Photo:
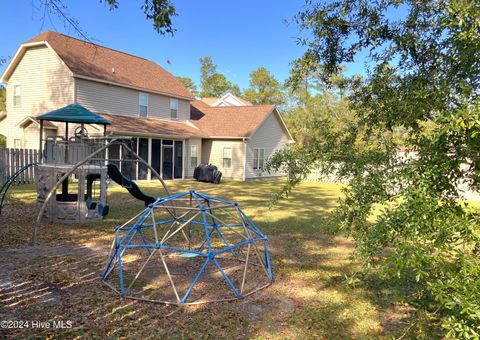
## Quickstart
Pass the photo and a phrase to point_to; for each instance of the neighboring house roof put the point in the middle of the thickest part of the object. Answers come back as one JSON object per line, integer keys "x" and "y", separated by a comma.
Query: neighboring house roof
{"x": 150, "y": 126}
{"x": 74, "y": 113}
{"x": 209, "y": 100}
{"x": 3, "y": 115}
{"x": 228, "y": 99}
{"x": 96, "y": 62}
{"x": 230, "y": 121}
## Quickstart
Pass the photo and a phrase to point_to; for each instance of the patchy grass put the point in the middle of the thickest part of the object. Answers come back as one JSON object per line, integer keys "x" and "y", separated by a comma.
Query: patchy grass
{"x": 59, "y": 280}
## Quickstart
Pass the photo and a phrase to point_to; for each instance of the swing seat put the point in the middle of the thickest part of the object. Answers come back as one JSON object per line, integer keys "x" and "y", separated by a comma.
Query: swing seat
{"x": 103, "y": 210}
{"x": 188, "y": 255}
{"x": 90, "y": 204}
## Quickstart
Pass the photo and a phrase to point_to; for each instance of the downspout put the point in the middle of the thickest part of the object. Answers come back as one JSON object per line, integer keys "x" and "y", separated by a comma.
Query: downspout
{"x": 244, "y": 159}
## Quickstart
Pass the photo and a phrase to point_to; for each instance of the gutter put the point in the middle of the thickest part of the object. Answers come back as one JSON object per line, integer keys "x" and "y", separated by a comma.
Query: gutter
{"x": 145, "y": 134}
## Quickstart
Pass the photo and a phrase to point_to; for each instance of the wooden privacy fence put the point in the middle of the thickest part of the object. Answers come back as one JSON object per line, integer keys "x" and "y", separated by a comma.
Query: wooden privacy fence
{"x": 11, "y": 160}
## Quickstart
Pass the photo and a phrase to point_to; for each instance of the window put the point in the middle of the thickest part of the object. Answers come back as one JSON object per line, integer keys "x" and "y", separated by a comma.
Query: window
{"x": 193, "y": 156}
{"x": 17, "y": 95}
{"x": 227, "y": 157}
{"x": 173, "y": 108}
{"x": 17, "y": 143}
{"x": 143, "y": 101}
{"x": 258, "y": 158}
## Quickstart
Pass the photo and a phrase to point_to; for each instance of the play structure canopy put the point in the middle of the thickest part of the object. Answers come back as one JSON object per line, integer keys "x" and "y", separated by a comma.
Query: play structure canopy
{"x": 74, "y": 113}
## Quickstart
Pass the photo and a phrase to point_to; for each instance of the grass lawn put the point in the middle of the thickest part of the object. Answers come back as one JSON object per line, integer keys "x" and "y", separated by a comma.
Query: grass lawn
{"x": 59, "y": 280}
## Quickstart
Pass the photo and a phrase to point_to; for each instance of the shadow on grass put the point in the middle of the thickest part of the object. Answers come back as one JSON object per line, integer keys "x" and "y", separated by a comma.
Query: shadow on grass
{"x": 308, "y": 299}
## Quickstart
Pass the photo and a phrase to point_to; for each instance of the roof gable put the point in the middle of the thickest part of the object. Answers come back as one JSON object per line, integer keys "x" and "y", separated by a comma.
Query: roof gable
{"x": 228, "y": 99}
{"x": 228, "y": 121}
{"x": 281, "y": 123}
{"x": 97, "y": 62}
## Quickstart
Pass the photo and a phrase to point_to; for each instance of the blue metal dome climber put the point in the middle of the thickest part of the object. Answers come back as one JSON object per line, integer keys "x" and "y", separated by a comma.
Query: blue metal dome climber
{"x": 188, "y": 248}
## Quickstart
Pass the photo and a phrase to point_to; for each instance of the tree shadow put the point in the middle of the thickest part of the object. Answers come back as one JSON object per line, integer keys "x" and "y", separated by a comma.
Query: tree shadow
{"x": 309, "y": 297}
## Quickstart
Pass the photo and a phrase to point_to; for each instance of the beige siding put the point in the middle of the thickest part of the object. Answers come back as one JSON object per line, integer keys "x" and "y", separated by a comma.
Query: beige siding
{"x": 104, "y": 98}
{"x": 31, "y": 136}
{"x": 212, "y": 153}
{"x": 270, "y": 136}
{"x": 188, "y": 167}
{"x": 46, "y": 83}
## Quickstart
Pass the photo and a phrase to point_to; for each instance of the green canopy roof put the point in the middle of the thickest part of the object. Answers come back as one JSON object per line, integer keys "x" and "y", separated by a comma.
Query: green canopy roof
{"x": 74, "y": 113}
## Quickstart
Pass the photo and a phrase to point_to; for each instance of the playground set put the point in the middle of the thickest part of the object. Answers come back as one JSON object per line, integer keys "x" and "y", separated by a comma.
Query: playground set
{"x": 185, "y": 248}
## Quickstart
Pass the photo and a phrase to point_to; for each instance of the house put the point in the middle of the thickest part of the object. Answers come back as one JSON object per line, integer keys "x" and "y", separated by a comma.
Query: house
{"x": 172, "y": 131}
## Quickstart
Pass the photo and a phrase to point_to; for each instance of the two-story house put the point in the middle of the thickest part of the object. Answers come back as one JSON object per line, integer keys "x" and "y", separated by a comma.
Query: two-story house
{"x": 172, "y": 131}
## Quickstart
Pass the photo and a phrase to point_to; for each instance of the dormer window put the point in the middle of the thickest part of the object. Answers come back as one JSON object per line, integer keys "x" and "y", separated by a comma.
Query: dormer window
{"x": 173, "y": 108}
{"x": 143, "y": 101}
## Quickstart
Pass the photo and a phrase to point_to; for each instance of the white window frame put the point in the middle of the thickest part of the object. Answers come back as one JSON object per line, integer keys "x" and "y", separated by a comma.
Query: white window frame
{"x": 193, "y": 155}
{"x": 226, "y": 156}
{"x": 173, "y": 108}
{"x": 258, "y": 162}
{"x": 17, "y": 102}
{"x": 17, "y": 143}
{"x": 140, "y": 104}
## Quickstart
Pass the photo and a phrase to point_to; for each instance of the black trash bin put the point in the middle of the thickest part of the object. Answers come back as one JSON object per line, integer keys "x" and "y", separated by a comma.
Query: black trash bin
{"x": 207, "y": 173}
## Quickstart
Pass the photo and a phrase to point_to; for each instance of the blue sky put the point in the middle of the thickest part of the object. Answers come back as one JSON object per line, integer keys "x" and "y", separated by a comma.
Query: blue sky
{"x": 239, "y": 35}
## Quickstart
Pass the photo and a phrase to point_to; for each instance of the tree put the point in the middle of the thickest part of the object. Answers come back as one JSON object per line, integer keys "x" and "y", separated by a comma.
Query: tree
{"x": 3, "y": 98}
{"x": 160, "y": 12}
{"x": 264, "y": 88}
{"x": 214, "y": 84}
{"x": 189, "y": 84}
{"x": 404, "y": 213}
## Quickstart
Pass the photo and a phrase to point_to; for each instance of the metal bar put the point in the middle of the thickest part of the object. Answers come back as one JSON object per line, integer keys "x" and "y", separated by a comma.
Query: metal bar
{"x": 188, "y": 303}
{"x": 267, "y": 258}
{"x": 250, "y": 222}
{"x": 215, "y": 227}
{"x": 245, "y": 270}
{"x": 208, "y": 197}
{"x": 154, "y": 226}
{"x": 139, "y": 230}
{"x": 255, "y": 246}
{"x": 225, "y": 276}
{"x": 41, "y": 142}
{"x": 179, "y": 228}
{"x": 141, "y": 270}
{"x": 221, "y": 251}
{"x": 187, "y": 293}
{"x": 206, "y": 239}
{"x": 169, "y": 276}
{"x": 226, "y": 225}
{"x": 179, "y": 208}
{"x": 160, "y": 246}
{"x": 111, "y": 256}
{"x": 120, "y": 272}
{"x": 175, "y": 221}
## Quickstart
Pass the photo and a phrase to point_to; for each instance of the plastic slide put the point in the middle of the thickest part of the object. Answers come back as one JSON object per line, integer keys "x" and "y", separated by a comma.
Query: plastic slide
{"x": 132, "y": 187}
